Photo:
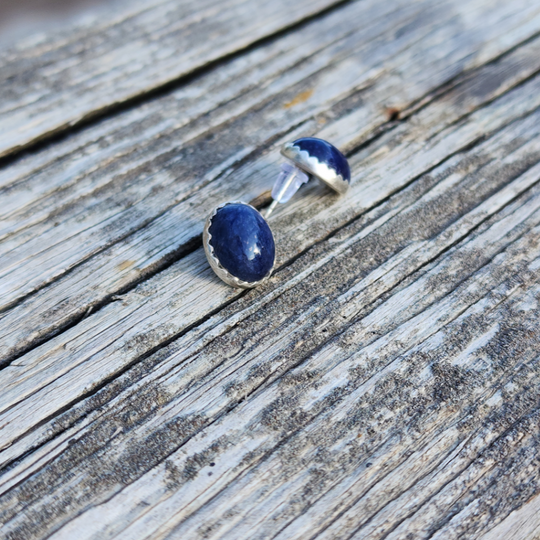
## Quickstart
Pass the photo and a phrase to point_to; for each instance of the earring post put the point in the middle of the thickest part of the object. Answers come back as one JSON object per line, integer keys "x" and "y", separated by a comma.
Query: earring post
{"x": 270, "y": 209}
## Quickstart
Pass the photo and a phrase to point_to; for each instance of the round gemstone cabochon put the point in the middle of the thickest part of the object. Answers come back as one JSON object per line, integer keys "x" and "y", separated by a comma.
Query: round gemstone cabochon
{"x": 326, "y": 153}
{"x": 242, "y": 242}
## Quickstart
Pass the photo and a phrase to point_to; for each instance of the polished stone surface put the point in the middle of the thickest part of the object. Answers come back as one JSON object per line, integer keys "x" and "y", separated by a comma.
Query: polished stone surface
{"x": 242, "y": 242}
{"x": 326, "y": 153}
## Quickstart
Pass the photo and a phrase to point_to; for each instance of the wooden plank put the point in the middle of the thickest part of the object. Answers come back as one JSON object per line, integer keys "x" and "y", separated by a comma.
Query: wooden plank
{"x": 50, "y": 83}
{"x": 381, "y": 331}
{"x": 190, "y": 169}
{"x": 361, "y": 384}
{"x": 117, "y": 328}
{"x": 142, "y": 242}
{"x": 109, "y": 341}
{"x": 383, "y": 383}
{"x": 522, "y": 524}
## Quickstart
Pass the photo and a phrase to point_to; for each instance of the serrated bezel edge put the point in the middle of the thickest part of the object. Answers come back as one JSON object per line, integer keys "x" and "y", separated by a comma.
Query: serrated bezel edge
{"x": 310, "y": 164}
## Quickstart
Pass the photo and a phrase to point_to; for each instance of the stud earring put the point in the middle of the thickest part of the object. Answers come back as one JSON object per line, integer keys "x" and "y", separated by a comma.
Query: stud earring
{"x": 237, "y": 240}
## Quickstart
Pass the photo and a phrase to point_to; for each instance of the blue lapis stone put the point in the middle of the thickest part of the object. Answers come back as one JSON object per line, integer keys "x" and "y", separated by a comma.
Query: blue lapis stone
{"x": 242, "y": 242}
{"x": 326, "y": 153}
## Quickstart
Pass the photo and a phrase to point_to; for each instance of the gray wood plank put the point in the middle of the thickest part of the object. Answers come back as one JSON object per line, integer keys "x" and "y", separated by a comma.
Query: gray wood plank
{"x": 129, "y": 208}
{"x": 521, "y": 524}
{"x": 193, "y": 171}
{"x": 337, "y": 382}
{"x": 52, "y": 82}
{"x": 191, "y": 294}
{"x": 338, "y": 399}
{"x": 382, "y": 384}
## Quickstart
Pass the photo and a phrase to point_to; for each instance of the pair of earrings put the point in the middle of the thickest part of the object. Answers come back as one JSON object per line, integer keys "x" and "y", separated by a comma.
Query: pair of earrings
{"x": 238, "y": 242}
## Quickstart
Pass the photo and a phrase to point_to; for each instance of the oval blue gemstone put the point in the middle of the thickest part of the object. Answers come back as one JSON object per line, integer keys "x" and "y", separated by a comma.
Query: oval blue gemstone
{"x": 242, "y": 242}
{"x": 326, "y": 153}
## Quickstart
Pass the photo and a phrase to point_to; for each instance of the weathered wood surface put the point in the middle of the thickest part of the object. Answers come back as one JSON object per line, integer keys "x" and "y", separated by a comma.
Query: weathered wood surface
{"x": 383, "y": 384}
{"x": 137, "y": 225}
{"x": 52, "y": 82}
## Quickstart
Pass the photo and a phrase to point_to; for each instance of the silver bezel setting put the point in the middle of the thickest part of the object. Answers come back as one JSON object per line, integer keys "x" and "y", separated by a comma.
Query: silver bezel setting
{"x": 221, "y": 272}
{"x": 312, "y": 165}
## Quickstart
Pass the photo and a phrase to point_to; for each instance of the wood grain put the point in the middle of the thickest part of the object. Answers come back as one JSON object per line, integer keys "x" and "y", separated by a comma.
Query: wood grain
{"x": 50, "y": 83}
{"x": 122, "y": 225}
{"x": 520, "y": 524}
{"x": 382, "y": 385}
{"x": 82, "y": 352}
{"x": 356, "y": 369}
